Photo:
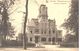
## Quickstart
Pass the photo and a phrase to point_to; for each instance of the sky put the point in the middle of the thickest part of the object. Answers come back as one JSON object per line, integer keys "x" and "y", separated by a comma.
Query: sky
{"x": 57, "y": 9}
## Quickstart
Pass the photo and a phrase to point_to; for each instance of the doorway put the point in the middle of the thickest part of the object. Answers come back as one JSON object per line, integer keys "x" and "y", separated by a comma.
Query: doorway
{"x": 36, "y": 39}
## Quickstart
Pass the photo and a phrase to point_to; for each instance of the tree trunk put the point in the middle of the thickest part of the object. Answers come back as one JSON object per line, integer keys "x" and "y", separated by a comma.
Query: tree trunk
{"x": 24, "y": 29}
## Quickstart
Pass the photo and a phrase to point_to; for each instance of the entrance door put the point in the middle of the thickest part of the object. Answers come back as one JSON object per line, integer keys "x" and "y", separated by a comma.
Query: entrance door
{"x": 53, "y": 40}
{"x": 36, "y": 39}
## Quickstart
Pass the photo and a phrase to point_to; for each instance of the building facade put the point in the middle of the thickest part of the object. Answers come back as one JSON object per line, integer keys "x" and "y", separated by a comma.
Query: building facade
{"x": 43, "y": 30}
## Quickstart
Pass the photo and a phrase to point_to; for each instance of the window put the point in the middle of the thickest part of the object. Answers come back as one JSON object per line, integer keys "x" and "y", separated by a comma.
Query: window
{"x": 43, "y": 39}
{"x": 31, "y": 31}
{"x": 36, "y": 23}
{"x": 53, "y": 31}
{"x": 41, "y": 31}
{"x": 49, "y": 32}
{"x": 45, "y": 31}
{"x": 53, "y": 39}
{"x": 31, "y": 39}
{"x": 49, "y": 39}
{"x": 36, "y": 30}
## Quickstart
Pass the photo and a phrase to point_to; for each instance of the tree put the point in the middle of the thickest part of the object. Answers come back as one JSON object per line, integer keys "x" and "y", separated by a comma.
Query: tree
{"x": 5, "y": 6}
{"x": 72, "y": 23}
{"x": 69, "y": 38}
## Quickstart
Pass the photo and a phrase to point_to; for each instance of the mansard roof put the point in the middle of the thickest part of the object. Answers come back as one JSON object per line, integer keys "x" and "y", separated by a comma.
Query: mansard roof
{"x": 33, "y": 22}
{"x": 49, "y": 20}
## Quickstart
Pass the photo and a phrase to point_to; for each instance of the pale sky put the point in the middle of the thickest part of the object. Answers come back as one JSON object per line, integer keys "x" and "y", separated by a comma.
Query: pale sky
{"x": 56, "y": 9}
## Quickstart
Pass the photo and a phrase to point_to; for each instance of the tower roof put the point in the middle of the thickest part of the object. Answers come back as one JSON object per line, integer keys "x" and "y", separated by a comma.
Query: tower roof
{"x": 42, "y": 5}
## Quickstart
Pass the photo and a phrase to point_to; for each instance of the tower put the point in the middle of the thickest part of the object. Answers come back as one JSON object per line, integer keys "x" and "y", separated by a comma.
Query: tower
{"x": 43, "y": 12}
{"x": 43, "y": 19}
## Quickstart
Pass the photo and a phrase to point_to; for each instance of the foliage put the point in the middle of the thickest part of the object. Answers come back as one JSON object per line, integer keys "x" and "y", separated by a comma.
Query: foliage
{"x": 72, "y": 23}
{"x": 6, "y": 27}
{"x": 69, "y": 38}
{"x": 69, "y": 41}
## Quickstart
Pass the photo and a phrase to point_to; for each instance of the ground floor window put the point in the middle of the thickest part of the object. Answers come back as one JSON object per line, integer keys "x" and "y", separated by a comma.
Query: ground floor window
{"x": 43, "y": 39}
{"x": 53, "y": 39}
{"x": 49, "y": 39}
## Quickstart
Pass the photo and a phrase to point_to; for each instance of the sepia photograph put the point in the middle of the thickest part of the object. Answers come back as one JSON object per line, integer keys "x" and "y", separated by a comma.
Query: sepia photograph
{"x": 39, "y": 25}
